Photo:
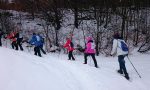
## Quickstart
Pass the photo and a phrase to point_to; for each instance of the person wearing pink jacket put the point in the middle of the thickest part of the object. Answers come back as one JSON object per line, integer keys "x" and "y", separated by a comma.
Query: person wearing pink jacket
{"x": 90, "y": 51}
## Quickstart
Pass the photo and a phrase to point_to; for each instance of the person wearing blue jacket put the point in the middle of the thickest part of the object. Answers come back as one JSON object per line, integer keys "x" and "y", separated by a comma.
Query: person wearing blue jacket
{"x": 36, "y": 41}
{"x": 42, "y": 43}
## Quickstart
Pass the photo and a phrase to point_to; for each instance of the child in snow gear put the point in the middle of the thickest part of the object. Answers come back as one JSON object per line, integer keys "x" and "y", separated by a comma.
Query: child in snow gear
{"x": 12, "y": 37}
{"x": 1, "y": 33}
{"x": 19, "y": 40}
{"x": 117, "y": 48}
{"x": 69, "y": 47}
{"x": 35, "y": 40}
{"x": 90, "y": 51}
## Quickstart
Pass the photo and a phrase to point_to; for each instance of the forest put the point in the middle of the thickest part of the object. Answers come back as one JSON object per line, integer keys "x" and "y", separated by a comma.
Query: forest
{"x": 98, "y": 18}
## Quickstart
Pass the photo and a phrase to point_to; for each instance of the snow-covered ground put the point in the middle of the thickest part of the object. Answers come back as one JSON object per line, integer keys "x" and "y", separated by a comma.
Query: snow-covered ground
{"x": 24, "y": 71}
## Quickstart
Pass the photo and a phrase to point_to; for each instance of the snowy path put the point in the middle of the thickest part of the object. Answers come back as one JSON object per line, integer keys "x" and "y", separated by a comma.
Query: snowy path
{"x": 23, "y": 71}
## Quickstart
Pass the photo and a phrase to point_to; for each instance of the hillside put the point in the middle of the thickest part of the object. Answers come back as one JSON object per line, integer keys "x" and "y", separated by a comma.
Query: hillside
{"x": 23, "y": 71}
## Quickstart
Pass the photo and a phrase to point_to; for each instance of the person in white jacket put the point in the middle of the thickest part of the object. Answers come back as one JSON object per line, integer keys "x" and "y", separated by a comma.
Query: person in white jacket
{"x": 116, "y": 49}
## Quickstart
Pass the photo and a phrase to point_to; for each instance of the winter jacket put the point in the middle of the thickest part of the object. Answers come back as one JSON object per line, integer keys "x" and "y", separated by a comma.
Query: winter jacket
{"x": 117, "y": 47}
{"x": 41, "y": 40}
{"x": 68, "y": 45}
{"x": 12, "y": 37}
{"x": 18, "y": 35}
{"x": 90, "y": 47}
{"x": 35, "y": 40}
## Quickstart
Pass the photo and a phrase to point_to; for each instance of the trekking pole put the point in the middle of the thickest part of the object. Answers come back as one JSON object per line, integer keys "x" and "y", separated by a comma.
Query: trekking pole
{"x": 134, "y": 67}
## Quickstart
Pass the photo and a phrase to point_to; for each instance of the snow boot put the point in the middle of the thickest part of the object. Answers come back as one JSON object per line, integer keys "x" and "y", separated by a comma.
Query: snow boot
{"x": 97, "y": 66}
{"x": 119, "y": 71}
{"x": 127, "y": 76}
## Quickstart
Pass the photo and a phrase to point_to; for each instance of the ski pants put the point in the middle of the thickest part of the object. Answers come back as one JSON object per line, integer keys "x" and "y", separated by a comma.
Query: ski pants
{"x": 93, "y": 57}
{"x": 122, "y": 64}
{"x": 19, "y": 43}
{"x": 14, "y": 45}
{"x": 70, "y": 55}
{"x": 41, "y": 48}
{"x": 37, "y": 51}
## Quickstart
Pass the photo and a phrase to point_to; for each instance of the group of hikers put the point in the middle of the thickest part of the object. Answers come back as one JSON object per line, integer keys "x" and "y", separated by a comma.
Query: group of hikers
{"x": 119, "y": 48}
{"x": 16, "y": 39}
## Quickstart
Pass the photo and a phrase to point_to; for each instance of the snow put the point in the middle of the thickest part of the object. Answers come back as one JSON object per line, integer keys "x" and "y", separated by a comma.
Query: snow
{"x": 25, "y": 71}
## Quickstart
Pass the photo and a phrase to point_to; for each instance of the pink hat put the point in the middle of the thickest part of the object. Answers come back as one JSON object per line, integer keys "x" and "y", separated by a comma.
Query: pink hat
{"x": 89, "y": 38}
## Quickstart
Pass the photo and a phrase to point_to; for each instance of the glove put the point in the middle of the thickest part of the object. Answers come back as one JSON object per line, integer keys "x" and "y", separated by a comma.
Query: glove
{"x": 5, "y": 37}
{"x": 113, "y": 55}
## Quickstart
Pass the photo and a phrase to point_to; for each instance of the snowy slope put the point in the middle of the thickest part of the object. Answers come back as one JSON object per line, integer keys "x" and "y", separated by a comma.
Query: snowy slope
{"x": 23, "y": 71}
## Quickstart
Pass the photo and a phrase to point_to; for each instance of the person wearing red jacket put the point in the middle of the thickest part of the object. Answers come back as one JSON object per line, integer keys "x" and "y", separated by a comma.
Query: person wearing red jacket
{"x": 69, "y": 46}
{"x": 12, "y": 37}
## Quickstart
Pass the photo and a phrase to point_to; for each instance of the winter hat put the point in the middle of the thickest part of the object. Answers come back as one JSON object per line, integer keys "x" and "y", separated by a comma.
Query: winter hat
{"x": 34, "y": 33}
{"x": 89, "y": 38}
{"x": 67, "y": 38}
{"x": 116, "y": 36}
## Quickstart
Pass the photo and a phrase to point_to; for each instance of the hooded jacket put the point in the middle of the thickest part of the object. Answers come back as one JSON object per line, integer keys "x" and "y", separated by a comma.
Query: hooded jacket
{"x": 12, "y": 37}
{"x": 68, "y": 45}
{"x": 36, "y": 40}
{"x": 116, "y": 49}
{"x": 90, "y": 46}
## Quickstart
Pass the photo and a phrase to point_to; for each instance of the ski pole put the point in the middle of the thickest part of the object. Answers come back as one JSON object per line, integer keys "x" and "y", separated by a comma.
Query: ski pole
{"x": 134, "y": 67}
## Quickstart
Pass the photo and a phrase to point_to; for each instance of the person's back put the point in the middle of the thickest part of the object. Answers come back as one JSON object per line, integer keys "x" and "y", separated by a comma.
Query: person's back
{"x": 90, "y": 47}
{"x": 69, "y": 46}
{"x": 11, "y": 36}
{"x": 41, "y": 40}
{"x": 19, "y": 38}
{"x": 41, "y": 43}
{"x": 117, "y": 49}
{"x": 90, "y": 51}
{"x": 35, "y": 40}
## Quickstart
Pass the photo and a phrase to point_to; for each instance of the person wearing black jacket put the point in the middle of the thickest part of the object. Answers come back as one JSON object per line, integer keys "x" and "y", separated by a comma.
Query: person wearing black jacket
{"x": 1, "y": 33}
{"x": 19, "y": 40}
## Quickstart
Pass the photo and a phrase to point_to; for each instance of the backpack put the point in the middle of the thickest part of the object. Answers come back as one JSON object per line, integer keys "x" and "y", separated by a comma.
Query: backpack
{"x": 124, "y": 46}
{"x": 38, "y": 38}
{"x": 71, "y": 44}
{"x": 42, "y": 39}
